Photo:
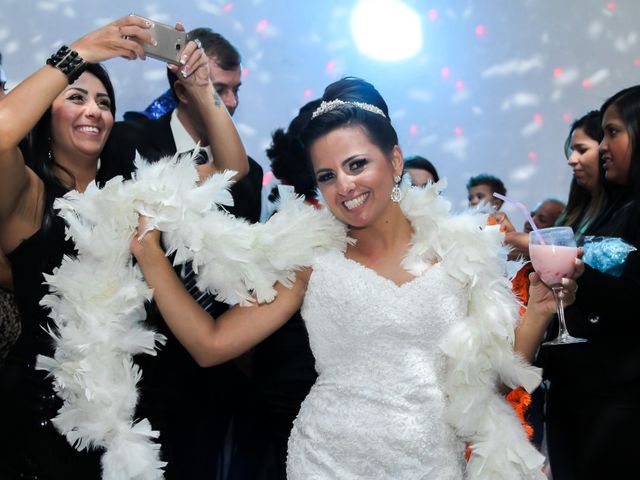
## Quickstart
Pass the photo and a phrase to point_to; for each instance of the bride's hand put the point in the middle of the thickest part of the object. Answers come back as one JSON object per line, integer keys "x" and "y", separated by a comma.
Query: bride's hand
{"x": 502, "y": 219}
{"x": 145, "y": 242}
{"x": 541, "y": 297}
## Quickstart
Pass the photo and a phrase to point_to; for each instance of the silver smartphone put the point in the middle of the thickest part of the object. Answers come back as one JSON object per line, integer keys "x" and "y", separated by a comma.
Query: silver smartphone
{"x": 170, "y": 42}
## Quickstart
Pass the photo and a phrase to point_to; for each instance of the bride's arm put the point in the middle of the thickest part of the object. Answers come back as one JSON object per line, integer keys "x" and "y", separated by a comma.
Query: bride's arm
{"x": 540, "y": 310}
{"x": 212, "y": 341}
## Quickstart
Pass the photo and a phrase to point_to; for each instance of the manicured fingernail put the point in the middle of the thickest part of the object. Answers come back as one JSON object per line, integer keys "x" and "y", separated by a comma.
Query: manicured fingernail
{"x": 155, "y": 42}
{"x": 183, "y": 59}
{"x": 149, "y": 24}
{"x": 184, "y": 72}
{"x": 565, "y": 282}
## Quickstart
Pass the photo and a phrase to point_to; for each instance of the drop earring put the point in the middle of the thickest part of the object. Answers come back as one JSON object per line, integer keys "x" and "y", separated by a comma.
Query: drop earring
{"x": 396, "y": 193}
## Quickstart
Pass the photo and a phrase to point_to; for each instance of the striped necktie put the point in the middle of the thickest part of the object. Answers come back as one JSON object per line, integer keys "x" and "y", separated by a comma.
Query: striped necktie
{"x": 205, "y": 300}
{"x": 201, "y": 157}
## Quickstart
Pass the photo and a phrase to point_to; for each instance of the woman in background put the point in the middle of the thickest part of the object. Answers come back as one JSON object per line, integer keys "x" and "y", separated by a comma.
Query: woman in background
{"x": 593, "y": 414}
{"x": 587, "y": 194}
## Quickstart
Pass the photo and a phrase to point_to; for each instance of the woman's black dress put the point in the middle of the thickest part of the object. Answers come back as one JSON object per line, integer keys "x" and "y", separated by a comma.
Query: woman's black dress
{"x": 30, "y": 446}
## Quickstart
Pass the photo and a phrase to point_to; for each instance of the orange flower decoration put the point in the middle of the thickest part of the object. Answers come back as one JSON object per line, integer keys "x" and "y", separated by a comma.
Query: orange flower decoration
{"x": 520, "y": 285}
{"x": 518, "y": 398}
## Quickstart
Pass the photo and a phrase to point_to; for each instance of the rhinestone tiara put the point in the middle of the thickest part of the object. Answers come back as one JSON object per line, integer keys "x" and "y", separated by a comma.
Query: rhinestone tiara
{"x": 337, "y": 103}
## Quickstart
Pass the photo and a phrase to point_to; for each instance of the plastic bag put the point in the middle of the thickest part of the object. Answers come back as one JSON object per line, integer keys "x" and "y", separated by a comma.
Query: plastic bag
{"x": 606, "y": 254}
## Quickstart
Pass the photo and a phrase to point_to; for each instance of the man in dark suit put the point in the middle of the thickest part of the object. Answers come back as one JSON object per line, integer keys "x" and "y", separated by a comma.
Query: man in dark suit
{"x": 191, "y": 406}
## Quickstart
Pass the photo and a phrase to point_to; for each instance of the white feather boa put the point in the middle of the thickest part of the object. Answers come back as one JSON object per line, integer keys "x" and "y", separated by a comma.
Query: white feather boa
{"x": 97, "y": 304}
{"x": 97, "y": 298}
{"x": 479, "y": 349}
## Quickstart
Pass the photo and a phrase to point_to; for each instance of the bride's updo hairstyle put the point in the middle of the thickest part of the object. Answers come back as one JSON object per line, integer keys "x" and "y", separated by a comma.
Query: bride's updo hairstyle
{"x": 351, "y": 102}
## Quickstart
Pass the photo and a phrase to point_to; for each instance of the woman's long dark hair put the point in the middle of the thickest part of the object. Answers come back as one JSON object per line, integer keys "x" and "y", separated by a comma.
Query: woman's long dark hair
{"x": 583, "y": 206}
{"x": 38, "y": 148}
{"x": 621, "y": 217}
{"x": 627, "y": 104}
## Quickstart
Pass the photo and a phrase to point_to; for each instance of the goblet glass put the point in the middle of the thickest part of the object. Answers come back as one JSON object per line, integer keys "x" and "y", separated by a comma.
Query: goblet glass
{"x": 553, "y": 253}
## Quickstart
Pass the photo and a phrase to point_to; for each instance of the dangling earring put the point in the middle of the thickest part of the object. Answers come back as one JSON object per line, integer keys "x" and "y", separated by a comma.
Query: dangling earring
{"x": 396, "y": 193}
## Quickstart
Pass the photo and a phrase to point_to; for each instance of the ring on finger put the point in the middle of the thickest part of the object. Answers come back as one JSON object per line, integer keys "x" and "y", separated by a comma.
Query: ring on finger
{"x": 197, "y": 42}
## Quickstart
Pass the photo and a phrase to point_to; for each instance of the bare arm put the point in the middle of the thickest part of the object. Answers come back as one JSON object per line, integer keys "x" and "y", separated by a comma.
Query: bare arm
{"x": 211, "y": 341}
{"x": 222, "y": 136}
{"x": 531, "y": 327}
{"x": 519, "y": 243}
{"x": 19, "y": 112}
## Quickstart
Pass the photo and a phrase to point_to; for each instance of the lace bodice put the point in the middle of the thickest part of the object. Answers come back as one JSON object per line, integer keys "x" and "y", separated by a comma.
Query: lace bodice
{"x": 376, "y": 410}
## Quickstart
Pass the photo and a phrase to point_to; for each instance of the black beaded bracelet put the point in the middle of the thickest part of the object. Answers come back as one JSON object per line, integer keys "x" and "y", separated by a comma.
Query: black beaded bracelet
{"x": 68, "y": 62}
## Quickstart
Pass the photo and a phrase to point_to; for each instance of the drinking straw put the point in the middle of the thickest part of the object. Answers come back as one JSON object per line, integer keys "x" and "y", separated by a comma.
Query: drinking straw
{"x": 525, "y": 210}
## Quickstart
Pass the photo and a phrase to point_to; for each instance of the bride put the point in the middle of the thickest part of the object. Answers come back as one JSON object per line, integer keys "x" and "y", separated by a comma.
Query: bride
{"x": 412, "y": 326}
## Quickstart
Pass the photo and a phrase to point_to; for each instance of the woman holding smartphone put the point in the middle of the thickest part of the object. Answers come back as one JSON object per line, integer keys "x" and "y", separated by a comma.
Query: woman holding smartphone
{"x": 68, "y": 108}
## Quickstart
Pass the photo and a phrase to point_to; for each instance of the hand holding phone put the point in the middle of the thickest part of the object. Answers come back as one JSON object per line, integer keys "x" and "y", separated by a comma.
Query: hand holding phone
{"x": 115, "y": 40}
{"x": 170, "y": 42}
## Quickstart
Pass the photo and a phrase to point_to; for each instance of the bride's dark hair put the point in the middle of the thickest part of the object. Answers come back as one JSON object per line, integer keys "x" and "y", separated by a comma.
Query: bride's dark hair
{"x": 378, "y": 128}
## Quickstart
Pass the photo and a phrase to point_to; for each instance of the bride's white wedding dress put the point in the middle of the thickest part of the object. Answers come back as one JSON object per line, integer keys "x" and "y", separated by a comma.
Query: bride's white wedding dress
{"x": 408, "y": 374}
{"x": 376, "y": 410}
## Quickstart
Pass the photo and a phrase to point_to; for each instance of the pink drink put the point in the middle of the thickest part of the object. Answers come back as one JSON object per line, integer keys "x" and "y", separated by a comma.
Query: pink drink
{"x": 553, "y": 262}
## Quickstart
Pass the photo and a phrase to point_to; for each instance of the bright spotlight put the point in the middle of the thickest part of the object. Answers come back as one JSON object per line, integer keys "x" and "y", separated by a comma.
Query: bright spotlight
{"x": 387, "y": 30}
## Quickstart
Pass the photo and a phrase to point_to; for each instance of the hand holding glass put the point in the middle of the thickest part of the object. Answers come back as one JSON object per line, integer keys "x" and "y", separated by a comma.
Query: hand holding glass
{"x": 553, "y": 253}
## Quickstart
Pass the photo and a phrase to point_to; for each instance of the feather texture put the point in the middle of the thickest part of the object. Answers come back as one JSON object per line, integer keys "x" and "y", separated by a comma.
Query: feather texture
{"x": 96, "y": 299}
{"x": 479, "y": 349}
{"x": 97, "y": 304}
